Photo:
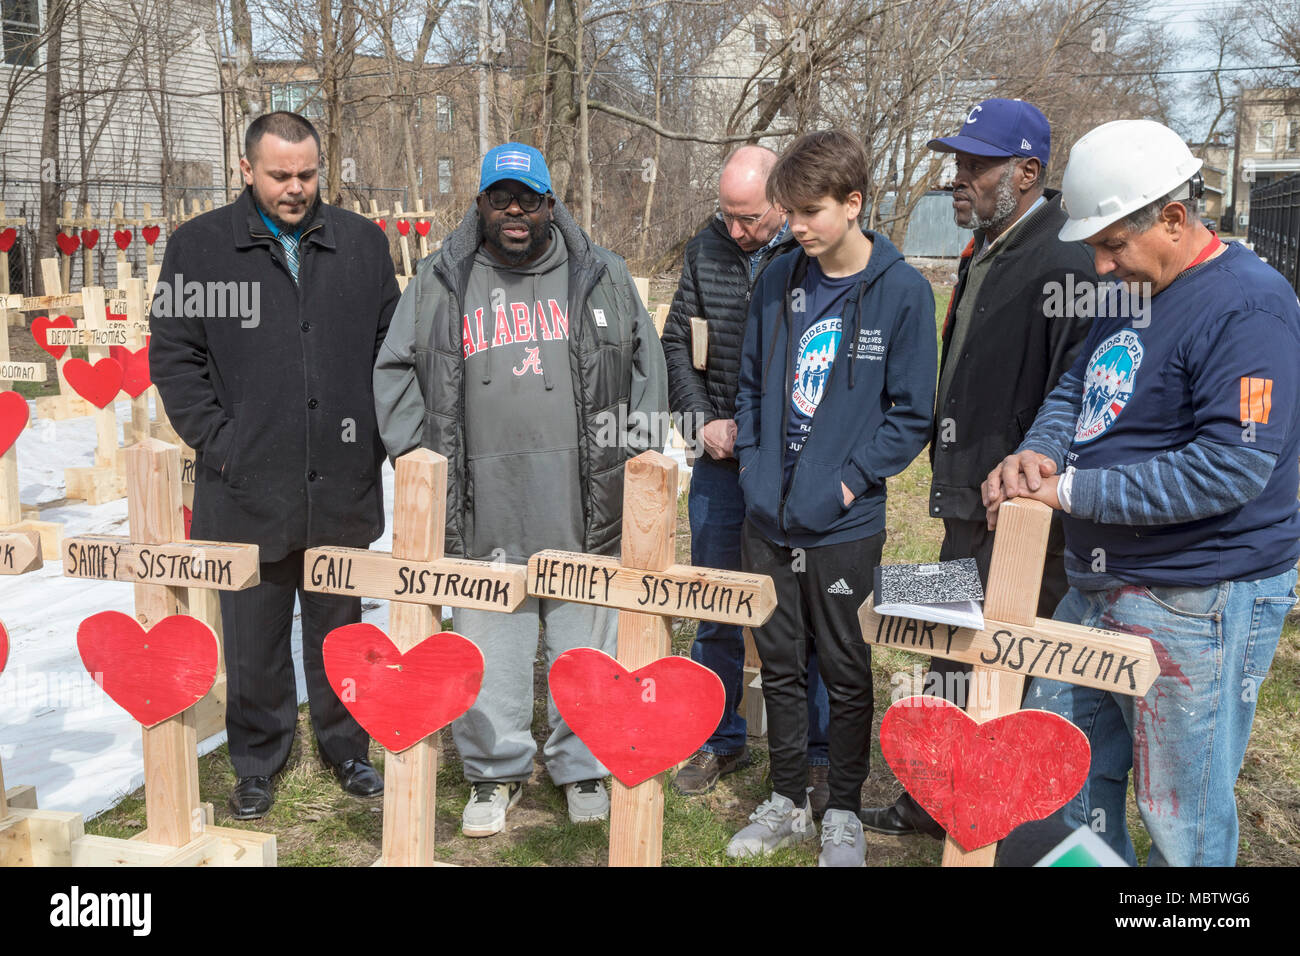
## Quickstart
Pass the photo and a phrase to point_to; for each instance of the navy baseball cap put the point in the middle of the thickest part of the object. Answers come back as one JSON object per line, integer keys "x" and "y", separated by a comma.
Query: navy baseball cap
{"x": 1001, "y": 127}
{"x": 518, "y": 162}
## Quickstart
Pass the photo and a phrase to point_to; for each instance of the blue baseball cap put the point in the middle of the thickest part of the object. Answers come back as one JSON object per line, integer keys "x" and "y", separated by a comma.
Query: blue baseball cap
{"x": 1001, "y": 127}
{"x": 518, "y": 162}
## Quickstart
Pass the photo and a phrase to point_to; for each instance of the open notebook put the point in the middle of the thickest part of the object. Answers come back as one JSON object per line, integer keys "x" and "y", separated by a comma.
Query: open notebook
{"x": 948, "y": 592}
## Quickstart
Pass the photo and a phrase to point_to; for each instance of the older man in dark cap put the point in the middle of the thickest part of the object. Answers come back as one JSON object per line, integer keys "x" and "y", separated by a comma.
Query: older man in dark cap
{"x": 1008, "y": 337}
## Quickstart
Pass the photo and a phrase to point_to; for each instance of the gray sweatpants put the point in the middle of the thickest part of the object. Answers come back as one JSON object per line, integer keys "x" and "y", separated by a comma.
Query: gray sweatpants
{"x": 495, "y": 736}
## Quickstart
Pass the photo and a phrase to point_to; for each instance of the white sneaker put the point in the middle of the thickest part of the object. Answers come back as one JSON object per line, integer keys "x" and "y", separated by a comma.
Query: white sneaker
{"x": 843, "y": 843}
{"x": 485, "y": 814}
{"x": 588, "y": 801}
{"x": 776, "y": 823}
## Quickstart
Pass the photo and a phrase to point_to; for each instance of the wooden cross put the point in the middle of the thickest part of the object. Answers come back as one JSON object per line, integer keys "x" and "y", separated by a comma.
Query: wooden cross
{"x": 67, "y": 223}
{"x": 13, "y": 517}
{"x": 163, "y": 566}
{"x": 7, "y": 222}
{"x": 414, "y": 578}
{"x": 145, "y": 221}
{"x": 1015, "y": 643}
{"x": 106, "y": 479}
{"x": 411, "y": 218}
{"x": 649, "y": 589}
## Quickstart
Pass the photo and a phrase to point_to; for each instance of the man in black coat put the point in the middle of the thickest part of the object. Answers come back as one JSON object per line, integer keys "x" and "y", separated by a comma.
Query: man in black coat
{"x": 265, "y": 326}
{"x": 1005, "y": 345}
{"x": 722, "y": 263}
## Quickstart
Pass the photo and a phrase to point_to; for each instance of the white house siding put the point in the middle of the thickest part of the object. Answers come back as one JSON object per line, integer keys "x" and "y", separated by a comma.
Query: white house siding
{"x": 126, "y": 164}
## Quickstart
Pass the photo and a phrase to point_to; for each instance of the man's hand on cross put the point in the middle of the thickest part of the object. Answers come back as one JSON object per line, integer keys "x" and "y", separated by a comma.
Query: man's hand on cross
{"x": 719, "y": 437}
{"x": 1026, "y": 475}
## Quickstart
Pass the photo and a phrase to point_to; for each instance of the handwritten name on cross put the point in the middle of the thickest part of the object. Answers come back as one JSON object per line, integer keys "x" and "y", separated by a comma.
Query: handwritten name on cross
{"x": 1015, "y": 643}
{"x": 649, "y": 589}
{"x": 414, "y": 577}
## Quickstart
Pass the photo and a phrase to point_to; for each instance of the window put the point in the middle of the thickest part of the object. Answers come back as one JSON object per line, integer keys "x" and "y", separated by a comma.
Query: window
{"x": 444, "y": 174}
{"x": 1264, "y": 135}
{"x": 442, "y": 109}
{"x": 22, "y": 24}
{"x": 760, "y": 36}
{"x": 300, "y": 98}
{"x": 1293, "y": 135}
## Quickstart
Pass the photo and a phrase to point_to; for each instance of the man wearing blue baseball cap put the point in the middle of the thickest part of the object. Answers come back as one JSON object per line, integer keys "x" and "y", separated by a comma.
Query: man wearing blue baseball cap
{"x": 522, "y": 352}
{"x": 1007, "y": 339}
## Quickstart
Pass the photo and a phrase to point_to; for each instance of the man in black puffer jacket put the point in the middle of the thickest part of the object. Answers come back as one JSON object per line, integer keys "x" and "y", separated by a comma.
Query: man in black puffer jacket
{"x": 722, "y": 263}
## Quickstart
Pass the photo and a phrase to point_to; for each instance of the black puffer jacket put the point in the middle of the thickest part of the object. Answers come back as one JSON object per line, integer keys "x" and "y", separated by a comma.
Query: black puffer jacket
{"x": 716, "y": 287}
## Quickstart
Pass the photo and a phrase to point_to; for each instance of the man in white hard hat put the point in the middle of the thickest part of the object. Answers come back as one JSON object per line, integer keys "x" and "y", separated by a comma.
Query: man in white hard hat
{"x": 1172, "y": 448}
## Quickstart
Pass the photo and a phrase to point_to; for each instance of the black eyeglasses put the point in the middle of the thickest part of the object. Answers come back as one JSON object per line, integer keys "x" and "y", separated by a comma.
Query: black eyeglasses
{"x": 500, "y": 198}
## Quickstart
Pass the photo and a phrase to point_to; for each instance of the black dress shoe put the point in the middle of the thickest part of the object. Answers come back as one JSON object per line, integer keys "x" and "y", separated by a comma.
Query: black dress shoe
{"x": 251, "y": 798}
{"x": 358, "y": 777}
{"x": 891, "y": 822}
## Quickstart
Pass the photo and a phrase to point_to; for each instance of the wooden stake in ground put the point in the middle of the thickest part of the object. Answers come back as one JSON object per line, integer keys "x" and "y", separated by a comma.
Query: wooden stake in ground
{"x": 403, "y": 221}
{"x": 1015, "y": 643}
{"x": 14, "y": 416}
{"x": 20, "y": 552}
{"x": 163, "y": 566}
{"x": 8, "y": 236}
{"x": 105, "y": 480}
{"x": 649, "y": 590}
{"x": 415, "y": 578}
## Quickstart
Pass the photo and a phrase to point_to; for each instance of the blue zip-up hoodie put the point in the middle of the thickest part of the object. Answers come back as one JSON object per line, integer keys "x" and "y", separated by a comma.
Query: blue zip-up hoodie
{"x": 871, "y": 421}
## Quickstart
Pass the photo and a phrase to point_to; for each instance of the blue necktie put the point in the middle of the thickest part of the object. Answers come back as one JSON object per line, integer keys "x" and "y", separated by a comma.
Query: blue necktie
{"x": 290, "y": 244}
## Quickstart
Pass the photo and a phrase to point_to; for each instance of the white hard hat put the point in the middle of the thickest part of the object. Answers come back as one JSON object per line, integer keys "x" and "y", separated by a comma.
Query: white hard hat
{"x": 1118, "y": 168}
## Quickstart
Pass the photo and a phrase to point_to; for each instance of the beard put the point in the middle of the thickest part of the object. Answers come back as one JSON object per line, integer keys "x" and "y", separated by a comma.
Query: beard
{"x": 1004, "y": 206}
{"x": 289, "y": 227}
{"x": 539, "y": 236}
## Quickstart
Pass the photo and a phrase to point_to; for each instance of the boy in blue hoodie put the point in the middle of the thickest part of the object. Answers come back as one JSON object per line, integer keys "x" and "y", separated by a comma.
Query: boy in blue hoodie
{"x": 837, "y": 382}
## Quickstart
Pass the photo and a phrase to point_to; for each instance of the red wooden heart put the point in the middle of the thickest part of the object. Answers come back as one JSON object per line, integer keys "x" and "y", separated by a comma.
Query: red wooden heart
{"x": 89, "y": 237}
{"x": 151, "y": 234}
{"x": 423, "y": 228}
{"x": 189, "y": 520}
{"x": 39, "y": 326}
{"x": 4, "y": 647}
{"x": 640, "y": 723}
{"x": 98, "y": 383}
{"x": 135, "y": 367}
{"x": 153, "y": 675}
{"x": 67, "y": 244}
{"x": 123, "y": 237}
{"x": 402, "y": 698}
{"x": 381, "y": 223}
{"x": 7, "y": 239}
{"x": 981, "y": 781}
{"x": 13, "y": 419}
{"x": 404, "y": 226}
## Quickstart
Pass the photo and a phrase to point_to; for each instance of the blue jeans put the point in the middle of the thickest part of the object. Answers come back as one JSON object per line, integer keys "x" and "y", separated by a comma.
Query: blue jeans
{"x": 717, "y": 512}
{"x": 1185, "y": 741}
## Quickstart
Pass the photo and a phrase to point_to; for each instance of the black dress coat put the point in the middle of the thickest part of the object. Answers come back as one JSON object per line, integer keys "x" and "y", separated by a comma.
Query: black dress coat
{"x": 269, "y": 381}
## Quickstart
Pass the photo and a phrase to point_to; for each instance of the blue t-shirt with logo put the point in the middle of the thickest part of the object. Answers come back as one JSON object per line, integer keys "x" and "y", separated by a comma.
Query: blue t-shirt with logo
{"x": 1217, "y": 359}
{"x": 815, "y": 334}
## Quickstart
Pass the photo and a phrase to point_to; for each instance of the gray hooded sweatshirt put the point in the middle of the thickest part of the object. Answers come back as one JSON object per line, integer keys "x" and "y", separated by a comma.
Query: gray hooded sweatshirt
{"x": 521, "y": 430}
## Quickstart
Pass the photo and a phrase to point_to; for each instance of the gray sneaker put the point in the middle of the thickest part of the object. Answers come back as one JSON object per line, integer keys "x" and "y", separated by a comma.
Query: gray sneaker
{"x": 588, "y": 801}
{"x": 843, "y": 843}
{"x": 776, "y": 823}
{"x": 485, "y": 814}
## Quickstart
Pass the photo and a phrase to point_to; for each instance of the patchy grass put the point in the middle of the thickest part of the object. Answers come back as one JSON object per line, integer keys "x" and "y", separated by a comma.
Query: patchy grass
{"x": 317, "y": 825}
